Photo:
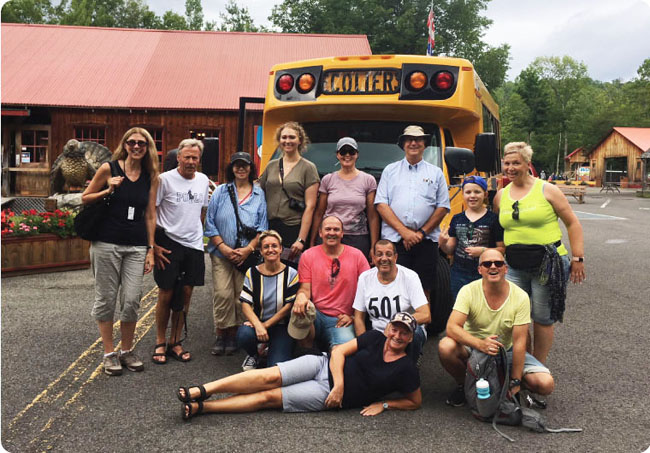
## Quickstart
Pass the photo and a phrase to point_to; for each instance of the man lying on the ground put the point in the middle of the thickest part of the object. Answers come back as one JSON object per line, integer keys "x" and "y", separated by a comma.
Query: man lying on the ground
{"x": 360, "y": 373}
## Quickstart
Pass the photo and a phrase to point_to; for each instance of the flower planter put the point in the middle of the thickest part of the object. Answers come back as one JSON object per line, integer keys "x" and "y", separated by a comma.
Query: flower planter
{"x": 43, "y": 253}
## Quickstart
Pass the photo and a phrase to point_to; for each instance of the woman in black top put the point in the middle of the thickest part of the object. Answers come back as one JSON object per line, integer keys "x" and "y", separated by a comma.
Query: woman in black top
{"x": 360, "y": 373}
{"x": 123, "y": 251}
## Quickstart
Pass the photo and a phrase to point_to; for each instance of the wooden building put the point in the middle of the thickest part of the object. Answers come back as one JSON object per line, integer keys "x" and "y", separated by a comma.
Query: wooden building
{"x": 92, "y": 83}
{"x": 579, "y": 157}
{"x": 617, "y": 157}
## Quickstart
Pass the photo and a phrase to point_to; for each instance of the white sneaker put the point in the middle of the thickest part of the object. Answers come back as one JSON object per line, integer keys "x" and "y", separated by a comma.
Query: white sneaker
{"x": 250, "y": 363}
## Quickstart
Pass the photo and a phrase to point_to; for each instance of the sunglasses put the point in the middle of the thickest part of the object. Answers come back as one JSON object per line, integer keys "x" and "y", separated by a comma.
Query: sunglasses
{"x": 346, "y": 151}
{"x": 470, "y": 231}
{"x": 515, "y": 210}
{"x": 334, "y": 271}
{"x": 140, "y": 143}
{"x": 488, "y": 264}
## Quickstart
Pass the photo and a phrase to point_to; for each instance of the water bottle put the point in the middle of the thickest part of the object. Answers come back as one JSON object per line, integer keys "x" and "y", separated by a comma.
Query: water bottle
{"x": 483, "y": 401}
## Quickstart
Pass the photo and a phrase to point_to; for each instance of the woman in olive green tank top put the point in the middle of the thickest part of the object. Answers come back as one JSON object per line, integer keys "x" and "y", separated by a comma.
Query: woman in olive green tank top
{"x": 528, "y": 211}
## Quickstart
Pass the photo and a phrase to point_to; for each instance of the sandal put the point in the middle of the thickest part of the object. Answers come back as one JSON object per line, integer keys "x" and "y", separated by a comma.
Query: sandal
{"x": 187, "y": 398}
{"x": 159, "y": 354}
{"x": 175, "y": 355}
{"x": 187, "y": 410}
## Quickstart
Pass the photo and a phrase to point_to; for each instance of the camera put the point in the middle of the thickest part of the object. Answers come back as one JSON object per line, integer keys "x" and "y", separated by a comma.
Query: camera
{"x": 248, "y": 232}
{"x": 296, "y": 205}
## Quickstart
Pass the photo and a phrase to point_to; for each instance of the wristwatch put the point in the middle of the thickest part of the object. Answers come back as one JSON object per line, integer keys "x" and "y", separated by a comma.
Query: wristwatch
{"x": 149, "y": 247}
{"x": 385, "y": 406}
{"x": 302, "y": 241}
{"x": 515, "y": 383}
{"x": 423, "y": 232}
{"x": 578, "y": 259}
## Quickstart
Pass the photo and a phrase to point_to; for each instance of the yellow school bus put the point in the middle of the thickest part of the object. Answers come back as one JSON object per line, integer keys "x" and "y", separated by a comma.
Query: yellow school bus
{"x": 373, "y": 98}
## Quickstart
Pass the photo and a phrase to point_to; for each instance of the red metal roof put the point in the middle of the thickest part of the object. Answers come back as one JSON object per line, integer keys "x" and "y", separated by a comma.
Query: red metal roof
{"x": 639, "y": 136}
{"x": 50, "y": 65}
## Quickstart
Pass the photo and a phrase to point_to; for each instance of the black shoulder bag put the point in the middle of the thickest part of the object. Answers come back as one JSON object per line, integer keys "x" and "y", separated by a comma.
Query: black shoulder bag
{"x": 243, "y": 230}
{"x": 91, "y": 216}
{"x": 294, "y": 204}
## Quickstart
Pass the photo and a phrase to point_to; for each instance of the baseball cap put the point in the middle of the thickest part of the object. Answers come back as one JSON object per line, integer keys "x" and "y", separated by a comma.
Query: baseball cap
{"x": 347, "y": 141}
{"x": 240, "y": 156}
{"x": 405, "y": 318}
{"x": 478, "y": 180}
{"x": 299, "y": 325}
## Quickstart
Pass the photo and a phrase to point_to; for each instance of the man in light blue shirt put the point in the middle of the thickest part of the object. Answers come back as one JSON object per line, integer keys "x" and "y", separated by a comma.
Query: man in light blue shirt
{"x": 412, "y": 199}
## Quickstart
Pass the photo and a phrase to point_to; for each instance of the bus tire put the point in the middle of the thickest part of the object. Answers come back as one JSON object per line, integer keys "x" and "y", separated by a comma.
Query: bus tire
{"x": 442, "y": 303}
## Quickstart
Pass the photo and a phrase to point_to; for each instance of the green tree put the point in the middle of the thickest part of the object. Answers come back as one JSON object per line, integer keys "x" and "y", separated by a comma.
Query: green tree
{"x": 28, "y": 12}
{"x": 173, "y": 21}
{"x": 238, "y": 19}
{"x": 194, "y": 14}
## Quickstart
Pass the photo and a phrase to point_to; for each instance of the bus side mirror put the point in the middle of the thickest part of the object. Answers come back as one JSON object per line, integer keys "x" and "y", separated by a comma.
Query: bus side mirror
{"x": 487, "y": 152}
{"x": 459, "y": 161}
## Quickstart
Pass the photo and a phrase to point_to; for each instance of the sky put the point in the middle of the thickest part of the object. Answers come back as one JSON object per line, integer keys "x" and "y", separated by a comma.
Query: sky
{"x": 611, "y": 37}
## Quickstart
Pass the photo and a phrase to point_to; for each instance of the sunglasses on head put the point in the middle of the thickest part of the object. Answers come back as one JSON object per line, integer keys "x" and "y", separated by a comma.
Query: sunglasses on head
{"x": 347, "y": 150}
{"x": 140, "y": 143}
{"x": 488, "y": 264}
{"x": 515, "y": 210}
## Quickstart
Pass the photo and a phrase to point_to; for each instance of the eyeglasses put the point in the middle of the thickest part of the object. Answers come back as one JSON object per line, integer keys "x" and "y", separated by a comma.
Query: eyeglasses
{"x": 414, "y": 139}
{"x": 140, "y": 143}
{"x": 515, "y": 210}
{"x": 488, "y": 264}
{"x": 347, "y": 150}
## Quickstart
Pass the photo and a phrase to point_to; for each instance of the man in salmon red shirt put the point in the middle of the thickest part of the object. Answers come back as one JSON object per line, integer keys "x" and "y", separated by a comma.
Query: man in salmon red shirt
{"x": 328, "y": 277}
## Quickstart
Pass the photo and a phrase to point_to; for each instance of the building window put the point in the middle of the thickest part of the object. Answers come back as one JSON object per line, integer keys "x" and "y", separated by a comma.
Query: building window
{"x": 33, "y": 148}
{"x": 203, "y": 133}
{"x": 90, "y": 134}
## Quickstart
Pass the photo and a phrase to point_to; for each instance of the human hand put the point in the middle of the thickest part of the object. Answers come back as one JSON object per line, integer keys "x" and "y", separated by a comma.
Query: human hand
{"x": 296, "y": 248}
{"x": 114, "y": 182}
{"x": 474, "y": 252}
{"x": 411, "y": 238}
{"x": 344, "y": 320}
{"x": 335, "y": 398}
{"x": 300, "y": 307}
{"x": 261, "y": 333}
{"x": 159, "y": 256}
{"x": 149, "y": 261}
{"x": 490, "y": 345}
{"x": 373, "y": 409}
{"x": 240, "y": 255}
{"x": 578, "y": 272}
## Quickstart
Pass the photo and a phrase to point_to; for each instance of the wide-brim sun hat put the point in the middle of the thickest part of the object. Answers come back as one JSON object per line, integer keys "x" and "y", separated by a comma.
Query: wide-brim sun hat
{"x": 412, "y": 131}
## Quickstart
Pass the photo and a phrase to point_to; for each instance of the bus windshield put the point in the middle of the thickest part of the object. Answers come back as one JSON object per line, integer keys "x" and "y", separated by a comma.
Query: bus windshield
{"x": 377, "y": 142}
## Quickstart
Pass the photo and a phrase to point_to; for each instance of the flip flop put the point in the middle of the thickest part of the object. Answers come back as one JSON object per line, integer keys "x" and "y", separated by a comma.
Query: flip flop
{"x": 173, "y": 354}
{"x": 159, "y": 354}
{"x": 187, "y": 414}
{"x": 187, "y": 398}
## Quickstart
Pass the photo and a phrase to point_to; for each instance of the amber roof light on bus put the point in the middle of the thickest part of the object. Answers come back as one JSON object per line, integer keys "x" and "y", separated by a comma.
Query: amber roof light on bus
{"x": 284, "y": 83}
{"x": 442, "y": 81}
{"x": 416, "y": 80}
{"x": 305, "y": 83}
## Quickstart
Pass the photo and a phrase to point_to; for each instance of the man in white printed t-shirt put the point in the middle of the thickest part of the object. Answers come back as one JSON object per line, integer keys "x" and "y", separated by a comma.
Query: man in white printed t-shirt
{"x": 180, "y": 266}
{"x": 389, "y": 288}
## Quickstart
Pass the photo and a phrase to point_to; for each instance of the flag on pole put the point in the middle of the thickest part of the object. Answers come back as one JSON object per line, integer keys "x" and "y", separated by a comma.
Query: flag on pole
{"x": 432, "y": 31}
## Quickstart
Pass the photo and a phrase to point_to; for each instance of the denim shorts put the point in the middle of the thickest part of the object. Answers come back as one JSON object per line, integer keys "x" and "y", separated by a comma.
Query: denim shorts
{"x": 540, "y": 295}
{"x": 305, "y": 383}
{"x": 327, "y": 331}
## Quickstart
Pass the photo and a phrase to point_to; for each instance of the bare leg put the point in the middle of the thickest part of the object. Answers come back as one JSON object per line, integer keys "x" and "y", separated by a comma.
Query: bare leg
{"x": 266, "y": 399}
{"x": 162, "y": 319}
{"x": 453, "y": 357}
{"x": 127, "y": 330}
{"x": 106, "y": 332}
{"x": 542, "y": 341}
{"x": 178, "y": 321}
{"x": 540, "y": 383}
{"x": 245, "y": 383}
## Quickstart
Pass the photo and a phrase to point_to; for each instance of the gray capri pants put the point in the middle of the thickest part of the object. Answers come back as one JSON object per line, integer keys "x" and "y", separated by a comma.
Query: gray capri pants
{"x": 305, "y": 383}
{"x": 116, "y": 266}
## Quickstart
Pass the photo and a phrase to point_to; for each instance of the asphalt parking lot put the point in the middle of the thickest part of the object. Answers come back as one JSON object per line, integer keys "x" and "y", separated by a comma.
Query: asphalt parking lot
{"x": 55, "y": 397}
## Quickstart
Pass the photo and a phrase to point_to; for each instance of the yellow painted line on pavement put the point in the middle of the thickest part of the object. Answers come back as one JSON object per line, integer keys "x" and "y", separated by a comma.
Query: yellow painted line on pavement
{"x": 75, "y": 371}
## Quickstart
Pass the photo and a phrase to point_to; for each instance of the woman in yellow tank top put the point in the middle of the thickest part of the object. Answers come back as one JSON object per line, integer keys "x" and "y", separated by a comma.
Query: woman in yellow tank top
{"x": 528, "y": 211}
